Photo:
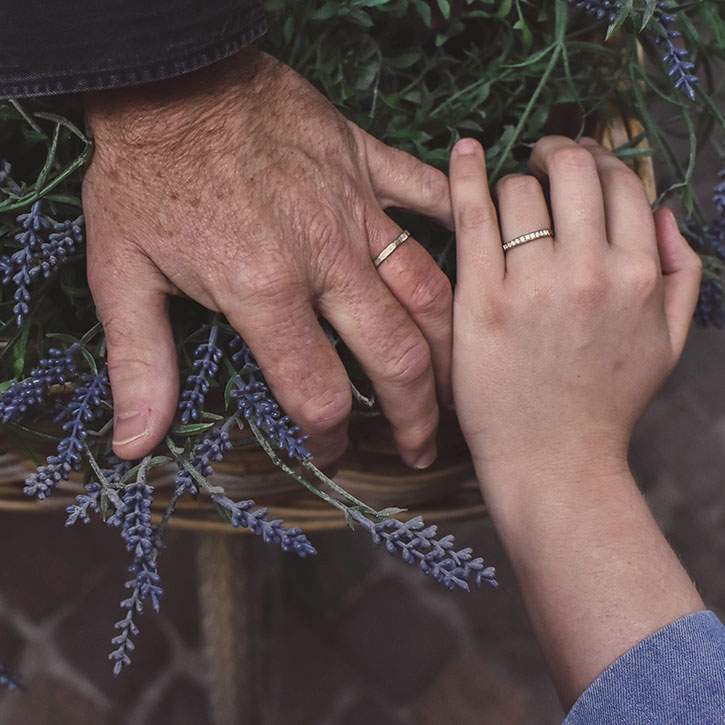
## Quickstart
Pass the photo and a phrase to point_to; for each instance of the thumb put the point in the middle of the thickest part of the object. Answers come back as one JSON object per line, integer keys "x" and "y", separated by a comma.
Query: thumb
{"x": 142, "y": 363}
{"x": 682, "y": 270}
{"x": 399, "y": 179}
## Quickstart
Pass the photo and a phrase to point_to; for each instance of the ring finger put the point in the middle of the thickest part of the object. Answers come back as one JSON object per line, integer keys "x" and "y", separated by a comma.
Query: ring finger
{"x": 523, "y": 210}
{"x": 424, "y": 290}
{"x": 395, "y": 356}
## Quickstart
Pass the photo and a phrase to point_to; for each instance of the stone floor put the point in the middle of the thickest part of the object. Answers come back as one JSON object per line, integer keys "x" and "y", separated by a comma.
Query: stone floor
{"x": 351, "y": 636}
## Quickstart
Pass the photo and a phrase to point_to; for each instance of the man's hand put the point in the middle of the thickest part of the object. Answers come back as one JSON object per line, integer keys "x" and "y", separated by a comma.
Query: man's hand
{"x": 243, "y": 188}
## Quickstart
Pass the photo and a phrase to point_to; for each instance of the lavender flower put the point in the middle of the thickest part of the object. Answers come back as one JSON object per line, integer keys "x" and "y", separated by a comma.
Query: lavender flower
{"x": 601, "y": 9}
{"x": 256, "y": 403}
{"x": 7, "y": 679}
{"x": 245, "y": 514}
{"x": 211, "y": 448}
{"x": 91, "y": 500}
{"x": 206, "y": 365}
{"x": 6, "y": 180}
{"x": 85, "y": 501}
{"x": 417, "y": 544}
{"x": 40, "y": 254}
{"x": 709, "y": 310}
{"x": 718, "y": 195}
{"x": 138, "y": 533}
{"x": 85, "y": 406}
{"x": 675, "y": 59}
{"x": 20, "y": 396}
{"x": 128, "y": 629}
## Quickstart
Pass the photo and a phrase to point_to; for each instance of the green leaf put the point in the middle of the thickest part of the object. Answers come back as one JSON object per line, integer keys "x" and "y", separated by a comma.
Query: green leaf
{"x": 504, "y": 8}
{"x": 50, "y": 158}
{"x": 405, "y": 60}
{"x": 20, "y": 349}
{"x": 445, "y": 8}
{"x": 190, "y": 429}
{"x": 648, "y": 14}
{"x": 90, "y": 360}
{"x": 328, "y": 10}
{"x": 289, "y": 29}
{"x": 228, "y": 389}
{"x": 423, "y": 10}
{"x": 625, "y": 10}
{"x": 225, "y": 513}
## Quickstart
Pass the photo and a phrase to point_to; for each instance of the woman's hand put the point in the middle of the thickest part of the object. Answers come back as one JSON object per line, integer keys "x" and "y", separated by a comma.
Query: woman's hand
{"x": 560, "y": 343}
{"x": 558, "y": 346}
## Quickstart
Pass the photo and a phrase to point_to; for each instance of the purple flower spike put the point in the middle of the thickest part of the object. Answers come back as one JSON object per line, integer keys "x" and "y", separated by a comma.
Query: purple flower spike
{"x": 256, "y": 403}
{"x": 41, "y": 252}
{"x": 7, "y": 679}
{"x": 709, "y": 310}
{"x": 417, "y": 544}
{"x": 138, "y": 533}
{"x": 85, "y": 406}
{"x": 245, "y": 514}
{"x": 601, "y": 9}
{"x": 718, "y": 195}
{"x": 211, "y": 449}
{"x": 676, "y": 60}
{"x": 205, "y": 364}
{"x": 22, "y": 396}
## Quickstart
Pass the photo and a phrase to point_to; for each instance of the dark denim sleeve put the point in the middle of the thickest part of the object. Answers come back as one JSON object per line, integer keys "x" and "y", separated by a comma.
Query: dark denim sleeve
{"x": 68, "y": 46}
{"x": 674, "y": 677}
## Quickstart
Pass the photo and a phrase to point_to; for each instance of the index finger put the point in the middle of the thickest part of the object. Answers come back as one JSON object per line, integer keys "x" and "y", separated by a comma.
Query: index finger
{"x": 478, "y": 239}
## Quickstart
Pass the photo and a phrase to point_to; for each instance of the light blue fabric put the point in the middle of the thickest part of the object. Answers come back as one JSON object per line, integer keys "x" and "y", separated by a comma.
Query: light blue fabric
{"x": 674, "y": 677}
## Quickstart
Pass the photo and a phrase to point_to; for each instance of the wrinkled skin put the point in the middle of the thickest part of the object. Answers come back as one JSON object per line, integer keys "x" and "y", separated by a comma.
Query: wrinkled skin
{"x": 241, "y": 187}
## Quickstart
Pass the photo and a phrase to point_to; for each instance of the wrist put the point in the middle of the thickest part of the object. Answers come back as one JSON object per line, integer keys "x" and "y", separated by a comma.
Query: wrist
{"x": 551, "y": 470}
{"x": 151, "y": 112}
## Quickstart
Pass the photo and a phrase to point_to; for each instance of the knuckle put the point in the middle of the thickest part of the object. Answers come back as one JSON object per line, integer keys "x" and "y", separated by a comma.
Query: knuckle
{"x": 573, "y": 158}
{"x": 325, "y": 410}
{"x": 431, "y": 293}
{"x": 590, "y": 286}
{"x": 518, "y": 186}
{"x": 432, "y": 184}
{"x": 410, "y": 364}
{"x": 491, "y": 314}
{"x": 643, "y": 275}
{"x": 127, "y": 367}
{"x": 415, "y": 437}
{"x": 274, "y": 287}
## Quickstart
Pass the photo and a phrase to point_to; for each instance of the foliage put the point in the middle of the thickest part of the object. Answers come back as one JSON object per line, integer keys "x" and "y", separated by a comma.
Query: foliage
{"x": 418, "y": 74}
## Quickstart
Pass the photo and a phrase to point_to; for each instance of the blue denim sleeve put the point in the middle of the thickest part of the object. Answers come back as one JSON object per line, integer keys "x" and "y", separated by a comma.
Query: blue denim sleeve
{"x": 72, "y": 46}
{"x": 676, "y": 676}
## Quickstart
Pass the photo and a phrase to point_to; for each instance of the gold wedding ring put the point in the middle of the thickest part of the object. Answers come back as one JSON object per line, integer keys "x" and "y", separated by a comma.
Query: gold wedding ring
{"x": 539, "y": 234}
{"x": 391, "y": 248}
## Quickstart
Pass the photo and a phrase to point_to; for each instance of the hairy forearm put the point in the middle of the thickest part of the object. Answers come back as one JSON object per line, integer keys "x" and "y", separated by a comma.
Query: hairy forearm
{"x": 596, "y": 572}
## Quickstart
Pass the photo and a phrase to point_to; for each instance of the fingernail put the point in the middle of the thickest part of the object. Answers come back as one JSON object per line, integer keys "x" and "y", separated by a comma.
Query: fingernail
{"x": 427, "y": 458}
{"x": 128, "y": 427}
{"x": 466, "y": 146}
{"x": 588, "y": 141}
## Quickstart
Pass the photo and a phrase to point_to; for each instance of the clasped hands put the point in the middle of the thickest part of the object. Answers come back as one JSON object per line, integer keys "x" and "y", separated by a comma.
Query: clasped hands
{"x": 241, "y": 187}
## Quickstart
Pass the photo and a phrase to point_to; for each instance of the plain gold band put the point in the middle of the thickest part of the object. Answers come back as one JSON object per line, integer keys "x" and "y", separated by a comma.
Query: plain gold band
{"x": 538, "y": 234}
{"x": 391, "y": 248}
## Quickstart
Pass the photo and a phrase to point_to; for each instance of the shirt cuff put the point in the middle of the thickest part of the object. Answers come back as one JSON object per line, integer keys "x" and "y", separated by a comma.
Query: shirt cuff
{"x": 676, "y": 675}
